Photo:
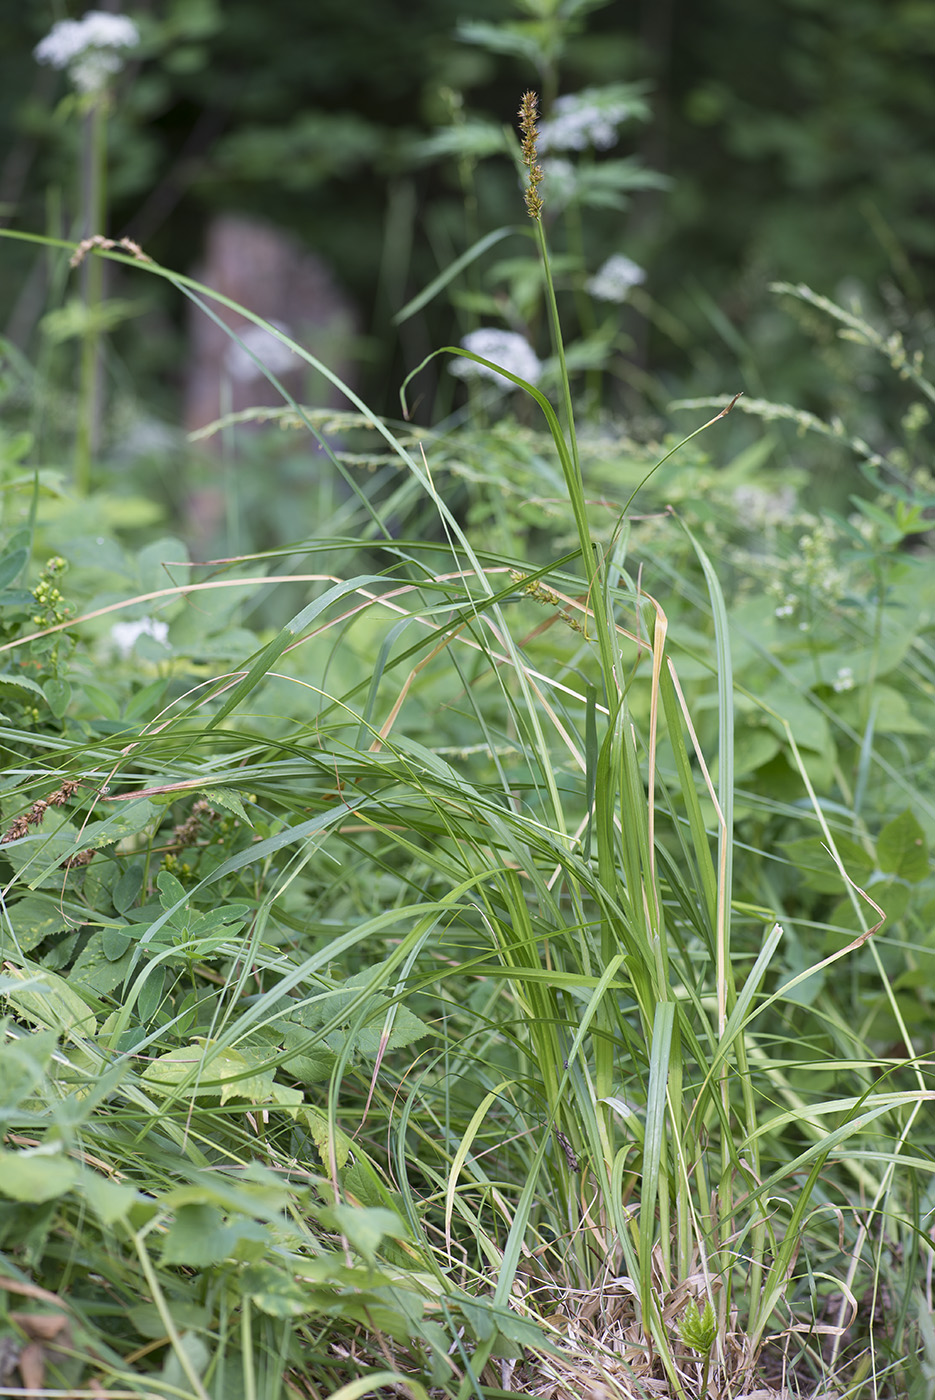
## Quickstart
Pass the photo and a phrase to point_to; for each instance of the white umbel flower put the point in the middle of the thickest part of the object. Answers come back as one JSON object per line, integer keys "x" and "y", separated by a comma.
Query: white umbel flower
{"x": 580, "y": 120}
{"x": 89, "y": 49}
{"x": 125, "y": 635}
{"x": 613, "y": 281}
{"x": 506, "y": 349}
{"x": 560, "y": 182}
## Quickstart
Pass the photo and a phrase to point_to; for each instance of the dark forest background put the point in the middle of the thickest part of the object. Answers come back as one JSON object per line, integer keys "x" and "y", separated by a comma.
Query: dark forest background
{"x": 794, "y": 137}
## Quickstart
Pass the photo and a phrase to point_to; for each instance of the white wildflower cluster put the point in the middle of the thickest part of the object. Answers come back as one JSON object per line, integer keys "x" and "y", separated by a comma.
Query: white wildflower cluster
{"x": 614, "y": 280}
{"x": 579, "y": 120}
{"x": 89, "y": 49}
{"x": 125, "y": 635}
{"x": 559, "y": 182}
{"x": 816, "y": 567}
{"x": 844, "y": 680}
{"x": 817, "y": 581}
{"x": 256, "y": 343}
{"x": 757, "y": 507}
{"x": 505, "y": 348}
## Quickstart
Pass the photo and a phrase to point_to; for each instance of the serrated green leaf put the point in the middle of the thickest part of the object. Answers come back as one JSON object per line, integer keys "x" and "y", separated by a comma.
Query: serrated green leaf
{"x": 311, "y": 1065}
{"x": 10, "y": 683}
{"x": 286, "y": 1098}
{"x": 406, "y": 1028}
{"x": 320, "y": 1129}
{"x": 229, "y": 801}
{"x": 229, "y": 1073}
{"x": 39, "y": 855}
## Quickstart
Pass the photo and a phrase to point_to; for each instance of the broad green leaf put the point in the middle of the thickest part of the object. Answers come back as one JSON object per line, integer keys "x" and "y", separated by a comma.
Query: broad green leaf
{"x": 102, "y": 700}
{"x": 286, "y": 1098}
{"x": 39, "y": 855}
{"x": 10, "y": 684}
{"x": 320, "y": 1129}
{"x": 161, "y": 564}
{"x": 128, "y": 819}
{"x": 145, "y": 702}
{"x": 148, "y": 1321}
{"x": 103, "y": 963}
{"x": 23, "y": 1065}
{"x": 902, "y": 850}
{"x": 171, "y": 890}
{"x": 274, "y": 1292}
{"x": 151, "y": 992}
{"x": 810, "y": 728}
{"x": 197, "y": 1358}
{"x": 364, "y": 1226}
{"x": 892, "y": 712}
{"x": 813, "y": 861}
{"x": 754, "y": 746}
{"x": 58, "y": 694}
{"x": 198, "y": 1237}
{"x": 128, "y": 887}
{"x": 110, "y": 1200}
{"x": 228, "y": 1073}
{"x": 12, "y": 564}
{"x": 34, "y": 1176}
{"x": 33, "y": 919}
{"x": 48, "y": 1000}
{"x": 313, "y": 1064}
{"x": 893, "y": 897}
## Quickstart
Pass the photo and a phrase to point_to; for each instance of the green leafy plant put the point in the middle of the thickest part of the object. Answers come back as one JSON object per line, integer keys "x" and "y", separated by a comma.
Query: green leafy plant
{"x": 470, "y": 971}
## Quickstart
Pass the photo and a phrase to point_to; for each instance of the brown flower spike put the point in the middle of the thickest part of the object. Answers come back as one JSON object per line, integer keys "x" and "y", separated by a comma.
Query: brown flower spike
{"x": 528, "y": 125}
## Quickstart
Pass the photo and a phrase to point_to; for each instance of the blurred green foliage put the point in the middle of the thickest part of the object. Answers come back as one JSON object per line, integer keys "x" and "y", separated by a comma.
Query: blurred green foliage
{"x": 792, "y": 133}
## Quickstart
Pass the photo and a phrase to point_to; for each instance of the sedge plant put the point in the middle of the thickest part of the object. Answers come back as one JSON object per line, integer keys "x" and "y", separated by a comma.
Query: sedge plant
{"x": 412, "y": 1030}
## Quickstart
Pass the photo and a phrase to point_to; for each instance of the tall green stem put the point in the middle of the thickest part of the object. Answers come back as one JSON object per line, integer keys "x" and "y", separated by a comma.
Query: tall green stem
{"x": 90, "y": 389}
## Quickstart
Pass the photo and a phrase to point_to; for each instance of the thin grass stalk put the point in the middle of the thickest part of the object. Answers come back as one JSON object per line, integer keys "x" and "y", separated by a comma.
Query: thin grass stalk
{"x": 94, "y": 198}
{"x": 726, "y": 987}
{"x": 590, "y": 558}
{"x": 165, "y": 1312}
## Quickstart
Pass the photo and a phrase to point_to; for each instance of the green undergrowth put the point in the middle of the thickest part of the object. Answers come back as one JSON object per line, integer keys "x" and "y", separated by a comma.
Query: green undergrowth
{"x": 484, "y": 948}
